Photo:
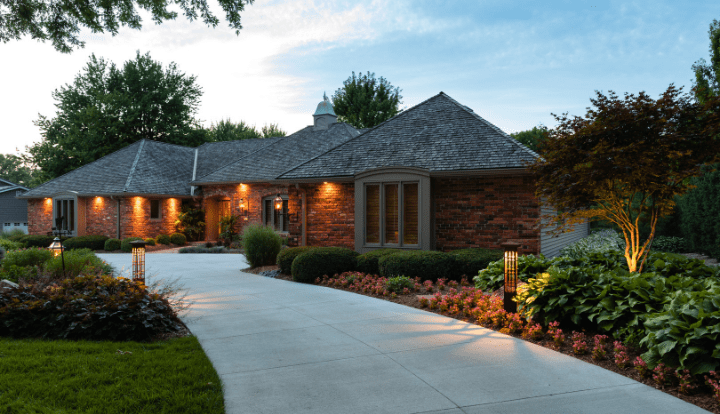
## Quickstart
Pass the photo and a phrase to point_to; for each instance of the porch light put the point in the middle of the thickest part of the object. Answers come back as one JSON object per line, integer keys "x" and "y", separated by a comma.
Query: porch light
{"x": 278, "y": 203}
{"x": 138, "y": 261}
{"x": 57, "y": 248}
{"x": 243, "y": 210}
{"x": 511, "y": 275}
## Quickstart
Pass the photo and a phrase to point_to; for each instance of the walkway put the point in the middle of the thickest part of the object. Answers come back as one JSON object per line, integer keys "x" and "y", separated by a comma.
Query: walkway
{"x": 284, "y": 347}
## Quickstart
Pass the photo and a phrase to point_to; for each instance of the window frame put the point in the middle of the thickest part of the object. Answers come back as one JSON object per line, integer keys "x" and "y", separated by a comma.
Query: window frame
{"x": 383, "y": 243}
{"x": 69, "y": 199}
{"x": 285, "y": 210}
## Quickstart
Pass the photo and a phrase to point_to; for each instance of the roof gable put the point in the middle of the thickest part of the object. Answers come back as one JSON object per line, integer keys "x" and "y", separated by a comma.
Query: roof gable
{"x": 438, "y": 134}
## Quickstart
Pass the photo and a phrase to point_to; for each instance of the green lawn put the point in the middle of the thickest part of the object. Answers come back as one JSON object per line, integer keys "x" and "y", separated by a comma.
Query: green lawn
{"x": 174, "y": 376}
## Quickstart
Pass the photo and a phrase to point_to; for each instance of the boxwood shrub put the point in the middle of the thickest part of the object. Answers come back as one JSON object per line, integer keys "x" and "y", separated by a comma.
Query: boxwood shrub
{"x": 321, "y": 261}
{"x": 38, "y": 240}
{"x": 427, "y": 265}
{"x": 87, "y": 307}
{"x": 125, "y": 244}
{"x": 112, "y": 245}
{"x": 163, "y": 239}
{"x": 178, "y": 239}
{"x": 93, "y": 242}
{"x": 471, "y": 261}
{"x": 286, "y": 257}
{"x": 149, "y": 241}
{"x": 261, "y": 244}
{"x": 368, "y": 262}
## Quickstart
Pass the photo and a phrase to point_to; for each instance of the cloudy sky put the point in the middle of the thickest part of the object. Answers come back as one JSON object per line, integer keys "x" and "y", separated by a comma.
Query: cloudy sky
{"x": 512, "y": 62}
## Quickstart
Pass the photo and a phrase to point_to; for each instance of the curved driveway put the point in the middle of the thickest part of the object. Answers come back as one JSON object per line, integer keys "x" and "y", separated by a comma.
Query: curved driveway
{"x": 284, "y": 347}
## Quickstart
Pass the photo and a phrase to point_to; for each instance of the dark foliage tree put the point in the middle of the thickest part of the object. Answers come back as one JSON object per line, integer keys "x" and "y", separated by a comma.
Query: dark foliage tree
{"x": 364, "y": 101}
{"x": 626, "y": 160}
{"x": 60, "y": 21}
{"x": 226, "y": 130}
{"x": 532, "y": 138}
{"x": 107, "y": 108}
{"x": 15, "y": 169}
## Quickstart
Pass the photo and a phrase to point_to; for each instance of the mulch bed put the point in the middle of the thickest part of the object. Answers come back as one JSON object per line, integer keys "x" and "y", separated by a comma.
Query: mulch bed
{"x": 705, "y": 401}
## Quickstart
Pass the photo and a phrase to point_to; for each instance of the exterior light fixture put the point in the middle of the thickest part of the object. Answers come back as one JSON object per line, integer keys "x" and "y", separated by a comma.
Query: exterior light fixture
{"x": 56, "y": 246}
{"x": 243, "y": 210}
{"x": 279, "y": 209}
{"x": 138, "y": 261}
{"x": 278, "y": 203}
{"x": 511, "y": 275}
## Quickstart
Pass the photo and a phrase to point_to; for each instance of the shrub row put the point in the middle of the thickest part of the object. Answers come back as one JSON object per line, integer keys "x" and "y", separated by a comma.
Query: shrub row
{"x": 320, "y": 261}
{"x": 31, "y": 262}
{"x": 86, "y": 242}
{"x": 86, "y": 307}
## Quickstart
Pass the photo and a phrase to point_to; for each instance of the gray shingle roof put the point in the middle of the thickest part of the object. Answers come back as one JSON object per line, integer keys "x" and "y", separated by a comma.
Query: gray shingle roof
{"x": 439, "y": 134}
{"x": 160, "y": 169}
{"x": 268, "y": 162}
{"x": 214, "y": 155}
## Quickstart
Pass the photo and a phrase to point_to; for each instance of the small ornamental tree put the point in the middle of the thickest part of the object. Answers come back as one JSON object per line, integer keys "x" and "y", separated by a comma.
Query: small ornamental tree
{"x": 626, "y": 160}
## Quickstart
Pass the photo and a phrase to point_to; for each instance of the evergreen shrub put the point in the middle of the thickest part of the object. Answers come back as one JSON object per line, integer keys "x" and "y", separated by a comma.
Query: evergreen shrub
{"x": 286, "y": 257}
{"x": 261, "y": 244}
{"x": 471, "y": 261}
{"x": 368, "y": 262}
{"x": 38, "y": 240}
{"x": 112, "y": 245}
{"x": 125, "y": 244}
{"x": 77, "y": 261}
{"x": 178, "y": 239}
{"x": 427, "y": 265}
{"x": 10, "y": 245}
{"x": 93, "y": 242}
{"x": 700, "y": 214}
{"x": 150, "y": 241}
{"x": 321, "y": 261}
{"x": 163, "y": 239}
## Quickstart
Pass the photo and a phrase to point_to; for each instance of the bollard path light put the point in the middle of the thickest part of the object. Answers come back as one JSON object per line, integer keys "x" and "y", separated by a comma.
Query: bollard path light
{"x": 138, "y": 261}
{"x": 511, "y": 275}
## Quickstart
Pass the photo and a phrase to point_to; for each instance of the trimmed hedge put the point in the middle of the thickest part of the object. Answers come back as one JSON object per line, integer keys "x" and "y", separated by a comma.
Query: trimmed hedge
{"x": 93, "y": 242}
{"x": 286, "y": 257}
{"x": 261, "y": 243}
{"x": 320, "y": 261}
{"x": 178, "y": 239}
{"x": 163, "y": 239}
{"x": 471, "y": 261}
{"x": 150, "y": 241}
{"x": 427, "y": 265}
{"x": 368, "y": 263}
{"x": 38, "y": 240}
{"x": 112, "y": 245}
{"x": 125, "y": 244}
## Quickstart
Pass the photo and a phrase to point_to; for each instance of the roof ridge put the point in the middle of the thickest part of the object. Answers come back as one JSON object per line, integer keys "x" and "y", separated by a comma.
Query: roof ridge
{"x": 132, "y": 169}
{"x": 250, "y": 153}
{"x": 363, "y": 133}
{"x": 166, "y": 143}
{"x": 15, "y": 187}
{"x": 493, "y": 126}
{"x": 83, "y": 166}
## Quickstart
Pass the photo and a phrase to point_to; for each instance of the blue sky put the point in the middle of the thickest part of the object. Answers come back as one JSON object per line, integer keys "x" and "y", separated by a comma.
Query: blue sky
{"x": 512, "y": 62}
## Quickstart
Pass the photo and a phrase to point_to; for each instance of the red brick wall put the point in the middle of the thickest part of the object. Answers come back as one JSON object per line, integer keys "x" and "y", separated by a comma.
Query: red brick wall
{"x": 330, "y": 214}
{"x": 135, "y": 217}
{"x": 101, "y": 216}
{"x": 485, "y": 212}
{"x": 40, "y": 215}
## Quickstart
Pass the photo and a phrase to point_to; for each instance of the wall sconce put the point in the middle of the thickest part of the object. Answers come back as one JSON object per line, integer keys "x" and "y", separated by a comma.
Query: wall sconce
{"x": 243, "y": 210}
{"x": 279, "y": 207}
{"x": 138, "y": 261}
{"x": 511, "y": 276}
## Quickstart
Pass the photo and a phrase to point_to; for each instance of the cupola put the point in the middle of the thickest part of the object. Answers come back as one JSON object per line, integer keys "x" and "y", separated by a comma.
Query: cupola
{"x": 324, "y": 114}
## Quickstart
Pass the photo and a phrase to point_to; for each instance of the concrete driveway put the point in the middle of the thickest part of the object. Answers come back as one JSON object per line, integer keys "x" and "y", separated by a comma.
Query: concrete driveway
{"x": 284, "y": 347}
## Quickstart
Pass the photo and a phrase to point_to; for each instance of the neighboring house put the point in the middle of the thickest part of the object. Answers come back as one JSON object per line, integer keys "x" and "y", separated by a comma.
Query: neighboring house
{"x": 13, "y": 211}
{"x": 435, "y": 177}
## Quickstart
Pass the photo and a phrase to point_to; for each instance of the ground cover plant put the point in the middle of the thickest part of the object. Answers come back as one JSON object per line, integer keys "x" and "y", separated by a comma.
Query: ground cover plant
{"x": 169, "y": 376}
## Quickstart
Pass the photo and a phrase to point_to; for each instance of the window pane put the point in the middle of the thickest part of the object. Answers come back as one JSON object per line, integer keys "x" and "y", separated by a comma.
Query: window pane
{"x": 391, "y": 213}
{"x": 410, "y": 213}
{"x": 268, "y": 211}
{"x": 372, "y": 214}
{"x": 71, "y": 215}
{"x": 154, "y": 209}
{"x": 285, "y": 226}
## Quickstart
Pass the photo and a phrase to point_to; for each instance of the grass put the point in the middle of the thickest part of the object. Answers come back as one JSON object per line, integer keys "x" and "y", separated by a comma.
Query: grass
{"x": 173, "y": 376}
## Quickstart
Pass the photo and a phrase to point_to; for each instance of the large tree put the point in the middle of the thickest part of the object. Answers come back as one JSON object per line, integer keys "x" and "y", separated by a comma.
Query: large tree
{"x": 626, "y": 160}
{"x": 364, "y": 101}
{"x": 60, "y": 21}
{"x": 226, "y": 130}
{"x": 107, "y": 108}
{"x": 15, "y": 169}
{"x": 532, "y": 138}
{"x": 707, "y": 75}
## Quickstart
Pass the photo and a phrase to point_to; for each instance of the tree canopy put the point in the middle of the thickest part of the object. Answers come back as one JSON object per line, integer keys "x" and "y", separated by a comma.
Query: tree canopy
{"x": 532, "y": 138}
{"x": 226, "y": 130}
{"x": 626, "y": 160}
{"x": 107, "y": 108}
{"x": 707, "y": 76}
{"x": 364, "y": 101}
{"x": 14, "y": 169}
{"x": 60, "y": 21}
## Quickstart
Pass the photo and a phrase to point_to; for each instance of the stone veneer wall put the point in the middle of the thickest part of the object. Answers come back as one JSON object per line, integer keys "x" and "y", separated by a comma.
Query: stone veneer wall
{"x": 40, "y": 215}
{"x": 485, "y": 212}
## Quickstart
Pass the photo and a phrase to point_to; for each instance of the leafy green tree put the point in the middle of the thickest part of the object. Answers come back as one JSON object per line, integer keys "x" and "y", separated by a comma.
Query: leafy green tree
{"x": 107, "y": 108}
{"x": 707, "y": 76}
{"x": 532, "y": 138}
{"x": 226, "y": 130}
{"x": 272, "y": 130}
{"x": 626, "y": 160}
{"x": 15, "y": 169}
{"x": 60, "y": 20}
{"x": 364, "y": 101}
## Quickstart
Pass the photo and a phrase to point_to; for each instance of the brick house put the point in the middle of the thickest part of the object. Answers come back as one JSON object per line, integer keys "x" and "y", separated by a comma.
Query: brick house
{"x": 435, "y": 177}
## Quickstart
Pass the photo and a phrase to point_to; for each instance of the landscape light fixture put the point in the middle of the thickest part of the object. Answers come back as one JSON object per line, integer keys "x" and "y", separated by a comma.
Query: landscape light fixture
{"x": 138, "y": 261}
{"x": 511, "y": 276}
{"x": 56, "y": 246}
